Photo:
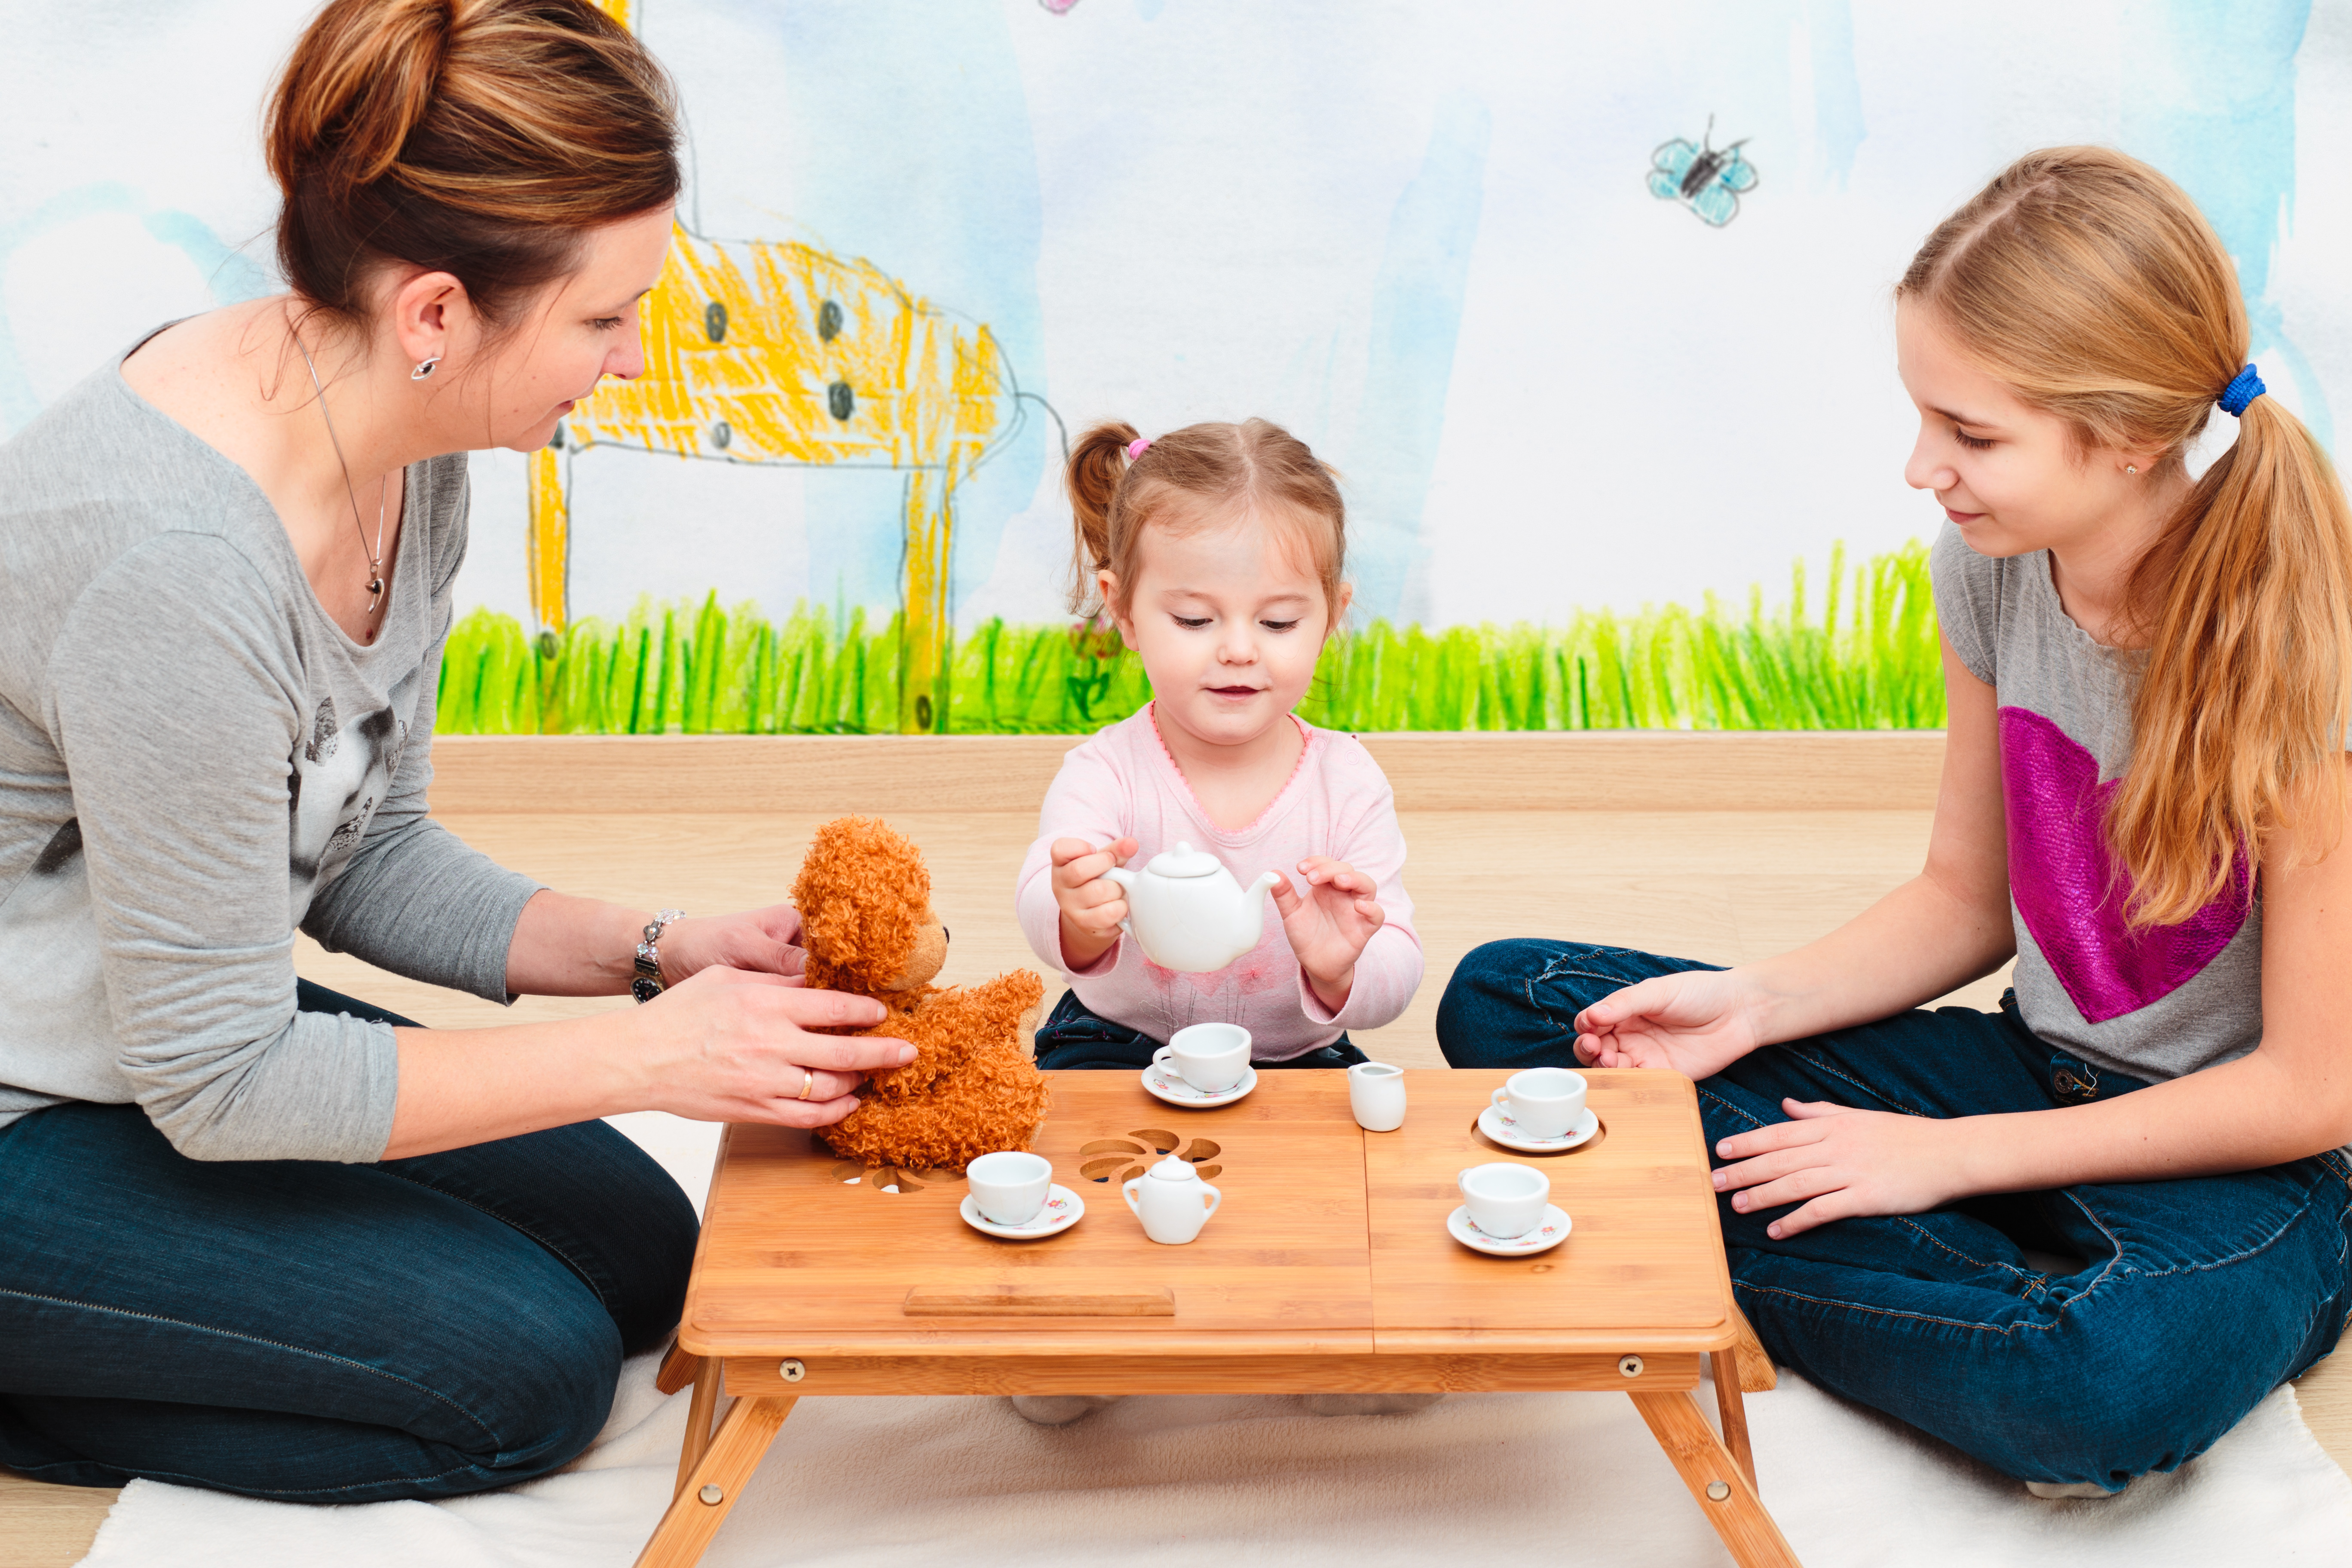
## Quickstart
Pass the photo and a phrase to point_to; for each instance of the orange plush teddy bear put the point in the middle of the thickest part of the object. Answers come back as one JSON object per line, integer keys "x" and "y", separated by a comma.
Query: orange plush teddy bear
{"x": 864, "y": 901}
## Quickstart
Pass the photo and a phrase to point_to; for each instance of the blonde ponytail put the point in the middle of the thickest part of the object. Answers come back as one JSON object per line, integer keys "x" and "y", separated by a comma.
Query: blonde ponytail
{"x": 2239, "y": 725}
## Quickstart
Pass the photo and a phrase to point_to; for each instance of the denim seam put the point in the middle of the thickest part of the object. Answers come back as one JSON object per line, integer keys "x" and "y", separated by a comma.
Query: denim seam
{"x": 183, "y": 1476}
{"x": 523, "y": 1230}
{"x": 1821, "y": 1064}
{"x": 256, "y": 1340}
{"x": 1879, "y": 1310}
{"x": 2262, "y": 1245}
{"x": 1559, "y": 967}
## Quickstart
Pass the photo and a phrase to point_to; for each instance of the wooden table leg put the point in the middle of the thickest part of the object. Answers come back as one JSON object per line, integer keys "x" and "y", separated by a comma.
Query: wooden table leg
{"x": 698, "y": 1411}
{"x": 1728, "y": 1405}
{"x": 678, "y": 1368}
{"x": 684, "y": 1531}
{"x": 1715, "y": 1480}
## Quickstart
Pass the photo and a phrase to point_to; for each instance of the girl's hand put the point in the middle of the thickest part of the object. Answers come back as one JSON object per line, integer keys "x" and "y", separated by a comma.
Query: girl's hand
{"x": 731, "y": 1045}
{"x": 1092, "y": 905}
{"x": 1837, "y": 1163}
{"x": 1329, "y": 927}
{"x": 765, "y": 941}
{"x": 1696, "y": 1023}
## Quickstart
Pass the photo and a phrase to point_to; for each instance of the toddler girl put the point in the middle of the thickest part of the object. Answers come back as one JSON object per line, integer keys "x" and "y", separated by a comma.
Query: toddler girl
{"x": 1216, "y": 551}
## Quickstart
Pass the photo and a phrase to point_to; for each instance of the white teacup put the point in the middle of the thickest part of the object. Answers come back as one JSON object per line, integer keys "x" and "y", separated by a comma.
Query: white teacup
{"x": 1211, "y": 1057}
{"x": 1009, "y": 1187}
{"x": 1376, "y": 1094}
{"x": 1546, "y": 1102}
{"x": 1504, "y": 1200}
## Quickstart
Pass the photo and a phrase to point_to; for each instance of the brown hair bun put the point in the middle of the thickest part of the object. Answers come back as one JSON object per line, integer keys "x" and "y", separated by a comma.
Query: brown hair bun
{"x": 482, "y": 138}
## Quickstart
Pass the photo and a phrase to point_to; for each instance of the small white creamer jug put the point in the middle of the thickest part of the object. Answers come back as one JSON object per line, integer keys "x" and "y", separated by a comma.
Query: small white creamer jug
{"x": 1169, "y": 1200}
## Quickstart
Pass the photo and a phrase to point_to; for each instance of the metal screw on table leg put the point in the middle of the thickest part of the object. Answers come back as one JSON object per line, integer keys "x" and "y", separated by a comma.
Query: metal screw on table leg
{"x": 793, "y": 1371}
{"x": 714, "y": 1496}
{"x": 1717, "y": 1490}
{"x": 1630, "y": 1365}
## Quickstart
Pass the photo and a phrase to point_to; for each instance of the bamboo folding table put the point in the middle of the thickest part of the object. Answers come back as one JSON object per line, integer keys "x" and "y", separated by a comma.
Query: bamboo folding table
{"x": 1327, "y": 1269}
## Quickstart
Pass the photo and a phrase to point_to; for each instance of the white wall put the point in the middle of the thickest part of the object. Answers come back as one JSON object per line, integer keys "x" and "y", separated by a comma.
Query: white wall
{"x": 1416, "y": 233}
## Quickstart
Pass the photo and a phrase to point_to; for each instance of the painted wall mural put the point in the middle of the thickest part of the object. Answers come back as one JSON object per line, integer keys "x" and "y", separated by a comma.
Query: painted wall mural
{"x": 1588, "y": 305}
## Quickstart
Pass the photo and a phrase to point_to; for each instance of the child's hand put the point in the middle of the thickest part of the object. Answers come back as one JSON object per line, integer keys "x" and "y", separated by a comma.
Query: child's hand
{"x": 1092, "y": 905}
{"x": 1329, "y": 928}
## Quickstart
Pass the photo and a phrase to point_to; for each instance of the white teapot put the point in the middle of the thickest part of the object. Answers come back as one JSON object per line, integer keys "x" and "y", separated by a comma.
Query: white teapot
{"x": 1189, "y": 913}
{"x": 1168, "y": 1198}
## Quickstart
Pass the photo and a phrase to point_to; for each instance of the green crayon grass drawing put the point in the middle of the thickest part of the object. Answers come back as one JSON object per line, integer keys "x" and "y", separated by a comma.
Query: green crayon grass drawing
{"x": 1865, "y": 659}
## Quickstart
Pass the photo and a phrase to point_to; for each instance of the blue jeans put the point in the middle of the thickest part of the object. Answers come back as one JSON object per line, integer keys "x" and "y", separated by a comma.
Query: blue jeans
{"x": 1073, "y": 1035}
{"x": 318, "y": 1333}
{"x": 2195, "y": 1298}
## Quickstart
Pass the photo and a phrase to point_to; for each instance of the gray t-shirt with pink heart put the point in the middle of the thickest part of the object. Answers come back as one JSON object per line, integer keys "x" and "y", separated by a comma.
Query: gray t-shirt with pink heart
{"x": 2156, "y": 1004}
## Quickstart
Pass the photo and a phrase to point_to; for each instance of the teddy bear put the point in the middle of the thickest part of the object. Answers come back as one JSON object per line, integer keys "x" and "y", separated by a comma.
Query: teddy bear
{"x": 864, "y": 897}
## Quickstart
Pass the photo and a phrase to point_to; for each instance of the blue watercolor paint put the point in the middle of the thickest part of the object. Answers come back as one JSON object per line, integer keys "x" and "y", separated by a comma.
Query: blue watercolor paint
{"x": 924, "y": 164}
{"x": 2209, "y": 97}
{"x": 1416, "y": 317}
{"x": 1838, "y": 129}
{"x": 231, "y": 275}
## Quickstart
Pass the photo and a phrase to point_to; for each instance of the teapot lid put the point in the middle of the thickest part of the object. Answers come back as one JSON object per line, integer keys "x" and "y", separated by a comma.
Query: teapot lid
{"x": 1172, "y": 1169}
{"x": 1184, "y": 861}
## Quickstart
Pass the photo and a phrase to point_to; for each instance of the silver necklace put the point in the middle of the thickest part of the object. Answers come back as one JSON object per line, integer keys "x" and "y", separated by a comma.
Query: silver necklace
{"x": 375, "y": 557}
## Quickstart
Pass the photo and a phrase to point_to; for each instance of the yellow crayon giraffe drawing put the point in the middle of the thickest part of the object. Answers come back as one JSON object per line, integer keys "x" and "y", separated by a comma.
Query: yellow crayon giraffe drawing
{"x": 765, "y": 351}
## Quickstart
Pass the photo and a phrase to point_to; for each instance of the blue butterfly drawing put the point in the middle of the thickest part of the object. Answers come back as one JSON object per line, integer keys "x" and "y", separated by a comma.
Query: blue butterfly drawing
{"x": 1707, "y": 179}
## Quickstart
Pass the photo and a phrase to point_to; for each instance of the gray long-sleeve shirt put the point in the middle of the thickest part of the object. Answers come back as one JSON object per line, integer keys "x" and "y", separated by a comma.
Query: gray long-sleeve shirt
{"x": 195, "y": 759}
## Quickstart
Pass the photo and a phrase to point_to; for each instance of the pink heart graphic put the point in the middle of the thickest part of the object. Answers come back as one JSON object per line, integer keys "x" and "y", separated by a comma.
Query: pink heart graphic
{"x": 2072, "y": 893}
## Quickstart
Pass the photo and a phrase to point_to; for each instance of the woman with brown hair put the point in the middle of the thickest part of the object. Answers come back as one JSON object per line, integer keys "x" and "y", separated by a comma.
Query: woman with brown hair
{"x": 261, "y": 1237}
{"x": 2145, "y": 801}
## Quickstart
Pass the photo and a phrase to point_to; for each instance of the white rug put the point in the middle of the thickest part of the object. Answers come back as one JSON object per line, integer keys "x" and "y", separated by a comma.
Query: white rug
{"x": 1180, "y": 1482}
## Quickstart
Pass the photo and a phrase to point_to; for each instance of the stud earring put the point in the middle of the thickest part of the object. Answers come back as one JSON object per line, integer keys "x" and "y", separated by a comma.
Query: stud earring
{"x": 2129, "y": 469}
{"x": 423, "y": 368}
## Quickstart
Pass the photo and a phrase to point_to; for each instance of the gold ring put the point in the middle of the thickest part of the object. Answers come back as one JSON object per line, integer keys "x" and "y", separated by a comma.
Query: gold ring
{"x": 808, "y": 1082}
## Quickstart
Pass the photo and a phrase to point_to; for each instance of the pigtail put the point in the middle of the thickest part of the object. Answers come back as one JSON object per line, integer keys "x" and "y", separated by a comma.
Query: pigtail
{"x": 2240, "y": 722}
{"x": 1098, "y": 462}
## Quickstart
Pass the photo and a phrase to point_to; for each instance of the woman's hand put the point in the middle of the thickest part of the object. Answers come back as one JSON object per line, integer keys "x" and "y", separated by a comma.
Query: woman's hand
{"x": 1837, "y": 1163}
{"x": 1092, "y": 905}
{"x": 1696, "y": 1023}
{"x": 1330, "y": 925}
{"x": 731, "y": 1045}
{"x": 766, "y": 942}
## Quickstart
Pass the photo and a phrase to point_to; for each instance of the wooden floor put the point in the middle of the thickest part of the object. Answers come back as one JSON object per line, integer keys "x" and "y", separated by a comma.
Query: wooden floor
{"x": 1720, "y": 885}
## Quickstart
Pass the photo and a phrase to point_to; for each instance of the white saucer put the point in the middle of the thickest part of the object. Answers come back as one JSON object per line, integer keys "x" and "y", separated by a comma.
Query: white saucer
{"x": 1162, "y": 1083}
{"x": 1497, "y": 1123}
{"x": 1062, "y": 1210}
{"x": 1548, "y": 1233}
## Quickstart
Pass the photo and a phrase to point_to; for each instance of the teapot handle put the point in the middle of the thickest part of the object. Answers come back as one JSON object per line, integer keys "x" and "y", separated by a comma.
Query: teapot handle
{"x": 1126, "y": 1191}
{"x": 1216, "y": 1196}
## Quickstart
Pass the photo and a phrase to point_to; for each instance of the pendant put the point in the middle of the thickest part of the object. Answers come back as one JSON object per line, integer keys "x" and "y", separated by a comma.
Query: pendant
{"x": 375, "y": 592}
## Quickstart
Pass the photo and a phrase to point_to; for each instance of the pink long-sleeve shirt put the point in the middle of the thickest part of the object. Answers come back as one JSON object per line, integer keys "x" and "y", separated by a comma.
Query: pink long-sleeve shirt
{"x": 1123, "y": 783}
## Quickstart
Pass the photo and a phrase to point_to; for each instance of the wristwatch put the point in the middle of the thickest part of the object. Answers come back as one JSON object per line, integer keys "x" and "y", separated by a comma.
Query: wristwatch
{"x": 648, "y": 982}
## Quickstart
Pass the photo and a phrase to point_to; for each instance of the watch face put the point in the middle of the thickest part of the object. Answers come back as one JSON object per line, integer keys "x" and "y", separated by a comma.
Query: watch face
{"x": 645, "y": 990}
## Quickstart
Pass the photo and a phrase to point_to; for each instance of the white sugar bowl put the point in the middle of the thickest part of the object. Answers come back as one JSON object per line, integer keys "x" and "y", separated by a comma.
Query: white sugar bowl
{"x": 1173, "y": 1201}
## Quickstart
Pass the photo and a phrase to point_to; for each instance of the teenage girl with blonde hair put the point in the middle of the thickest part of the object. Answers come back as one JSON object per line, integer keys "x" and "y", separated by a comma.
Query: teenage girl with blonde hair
{"x": 2144, "y": 801}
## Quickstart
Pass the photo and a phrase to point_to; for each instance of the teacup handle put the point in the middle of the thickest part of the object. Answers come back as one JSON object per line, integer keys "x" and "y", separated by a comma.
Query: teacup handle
{"x": 1160, "y": 1057}
{"x": 1461, "y": 1180}
{"x": 1502, "y": 1098}
{"x": 1126, "y": 1191}
{"x": 1216, "y": 1196}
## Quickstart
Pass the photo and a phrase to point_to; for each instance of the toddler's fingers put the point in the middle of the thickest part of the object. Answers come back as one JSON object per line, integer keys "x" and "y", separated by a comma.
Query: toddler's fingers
{"x": 1286, "y": 899}
{"x": 1064, "y": 850}
{"x": 1370, "y": 909}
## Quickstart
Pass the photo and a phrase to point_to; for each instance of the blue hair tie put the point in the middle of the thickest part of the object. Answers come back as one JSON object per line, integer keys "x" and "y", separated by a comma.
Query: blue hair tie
{"x": 2239, "y": 394}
